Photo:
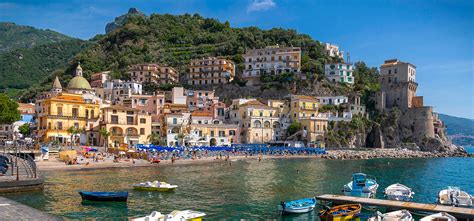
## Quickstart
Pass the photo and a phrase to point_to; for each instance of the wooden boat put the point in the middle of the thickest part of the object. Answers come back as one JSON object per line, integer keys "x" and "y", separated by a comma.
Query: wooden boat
{"x": 454, "y": 196}
{"x": 298, "y": 206}
{"x": 398, "y": 192}
{"x": 439, "y": 217}
{"x": 104, "y": 196}
{"x": 177, "y": 215}
{"x": 340, "y": 213}
{"x": 155, "y": 186}
{"x": 399, "y": 215}
{"x": 361, "y": 186}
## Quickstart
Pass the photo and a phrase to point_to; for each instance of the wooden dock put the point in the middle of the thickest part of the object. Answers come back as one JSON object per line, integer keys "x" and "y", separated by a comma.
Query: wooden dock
{"x": 458, "y": 212}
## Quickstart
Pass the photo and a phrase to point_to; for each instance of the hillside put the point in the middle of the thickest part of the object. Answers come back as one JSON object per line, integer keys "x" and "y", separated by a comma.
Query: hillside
{"x": 13, "y": 36}
{"x": 461, "y": 130}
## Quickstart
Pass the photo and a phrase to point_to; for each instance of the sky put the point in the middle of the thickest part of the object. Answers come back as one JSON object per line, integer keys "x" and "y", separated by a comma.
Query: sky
{"x": 435, "y": 35}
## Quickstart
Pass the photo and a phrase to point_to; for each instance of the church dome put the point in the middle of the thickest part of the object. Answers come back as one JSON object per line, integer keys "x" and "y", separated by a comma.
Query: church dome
{"x": 79, "y": 83}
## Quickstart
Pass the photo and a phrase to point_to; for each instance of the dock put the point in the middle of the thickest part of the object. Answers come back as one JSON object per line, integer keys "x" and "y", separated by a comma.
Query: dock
{"x": 458, "y": 212}
{"x": 11, "y": 210}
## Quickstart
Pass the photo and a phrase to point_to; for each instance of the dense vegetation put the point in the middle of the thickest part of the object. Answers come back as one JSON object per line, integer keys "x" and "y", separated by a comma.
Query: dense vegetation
{"x": 9, "y": 112}
{"x": 14, "y": 36}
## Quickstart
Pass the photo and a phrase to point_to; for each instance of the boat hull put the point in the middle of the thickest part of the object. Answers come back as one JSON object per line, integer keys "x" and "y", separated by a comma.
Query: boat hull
{"x": 104, "y": 196}
{"x": 298, "y": 210}
{"x": 158, "y": 189}
{"x": 299, "y": 206}
{"x": 341, "y": 213}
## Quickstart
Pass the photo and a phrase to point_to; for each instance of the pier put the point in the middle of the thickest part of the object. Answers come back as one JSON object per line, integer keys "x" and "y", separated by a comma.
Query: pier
{"x": 458, "y": 212}
{"x": 11, "y": 210}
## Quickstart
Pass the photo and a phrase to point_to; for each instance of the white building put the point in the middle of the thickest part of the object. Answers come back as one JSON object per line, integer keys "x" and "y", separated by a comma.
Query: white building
{"x": 178, "y": 96}
{"x": 344, "y": 116}
{"x": 340, "y": 72}
{"x": 333, "y": 50}
{"x": 332, "y": 100}
{"x": 116, "y": 90}
{"x": 272, "y": 60}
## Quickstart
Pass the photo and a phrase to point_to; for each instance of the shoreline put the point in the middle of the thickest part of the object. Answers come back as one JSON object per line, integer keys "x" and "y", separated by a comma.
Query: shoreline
{"x": 347, "y": 154}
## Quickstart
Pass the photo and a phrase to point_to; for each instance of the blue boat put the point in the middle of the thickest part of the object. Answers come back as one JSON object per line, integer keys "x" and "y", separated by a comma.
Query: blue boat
{"x": 104, "y": 196}
{"x": 298, "y": 206}
{"x": 361, "y": 186}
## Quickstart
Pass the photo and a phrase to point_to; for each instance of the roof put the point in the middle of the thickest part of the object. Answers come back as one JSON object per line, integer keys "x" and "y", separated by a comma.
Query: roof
{"x": 305, "y": 97}
{"x": 201, "y": 113}
{"x": 80, "y": 83}
{"x": 119, "y": 107}
{"x": 253, "y": 103}
{"x": 393, "y": 62}
{"x": 56, "y": 83}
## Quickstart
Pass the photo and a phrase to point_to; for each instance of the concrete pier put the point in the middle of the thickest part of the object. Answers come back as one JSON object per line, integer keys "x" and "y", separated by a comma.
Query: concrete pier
{"x": 11, "y": 210}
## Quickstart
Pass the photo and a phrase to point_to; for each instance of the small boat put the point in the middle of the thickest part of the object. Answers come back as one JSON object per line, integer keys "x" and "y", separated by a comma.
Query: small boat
{"x": 298, "y": 206}
{"x": 361, "y": 186}
{"x": 443, "y": 216}
{"x": 342, "y": 212}
{"x": 454, "y": 196}
{"x": 155, "y": 186}
{"x": 177, "y": 215}
{"x": 399, "y": 215}
{"x": 398, "y": 192}
{"x": 104, "y": 196}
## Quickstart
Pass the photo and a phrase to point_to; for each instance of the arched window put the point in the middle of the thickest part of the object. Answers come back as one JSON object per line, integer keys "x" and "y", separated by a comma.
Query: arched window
{"x": 266, "y": 124}
{"x": 257, "y": 124}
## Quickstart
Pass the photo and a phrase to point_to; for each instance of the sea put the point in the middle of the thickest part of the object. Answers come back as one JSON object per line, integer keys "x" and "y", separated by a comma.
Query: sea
{"x": 243, "y": 190}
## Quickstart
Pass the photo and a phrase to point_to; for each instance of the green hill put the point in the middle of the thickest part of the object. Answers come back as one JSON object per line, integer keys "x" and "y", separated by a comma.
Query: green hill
{"x": 13, "y": 36}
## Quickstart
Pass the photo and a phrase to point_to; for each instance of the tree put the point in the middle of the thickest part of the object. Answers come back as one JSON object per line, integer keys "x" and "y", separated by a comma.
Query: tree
{"x": 154, "y": 138}
{"x": 293, "y": 128}
{"x": 9, "y": 112}
{"x": 105, "y": 134}
{"x": 73, "y": 131}
{"x": 25, "y": 129}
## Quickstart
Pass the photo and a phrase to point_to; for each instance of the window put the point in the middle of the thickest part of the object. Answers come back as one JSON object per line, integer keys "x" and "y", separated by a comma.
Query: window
{"x": 75, "y": 112}
{"x": 212, "y": 133}
{"x": 261, "y": 113}
{"x": 114, "y": 119}
{"x": 389, "y": 71}
{"x": 221, "y": 133}
{"x": 76, "y": 126}
{"x": 60, "y": 111}
{"x": 130, "y": 112}
{"x": 129, "y": 120}
{"x": 257, "y": 124}
{"x": 60, "y": 125}
{"x": 142, "y": 120}
{"x": 142, "y": 131}
{"x": 175, "y": 121}
{"x": 232, "y": 132}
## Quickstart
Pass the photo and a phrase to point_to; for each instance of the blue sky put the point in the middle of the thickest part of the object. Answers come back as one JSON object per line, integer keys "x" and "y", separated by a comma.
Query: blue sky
{"x": 436, "y": 36}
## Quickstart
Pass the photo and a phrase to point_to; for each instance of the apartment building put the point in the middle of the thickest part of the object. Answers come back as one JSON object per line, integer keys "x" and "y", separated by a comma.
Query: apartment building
{"x": 340, "y": 72}
{"x": 153, "y": 73}
{"x": 209, "y": 71}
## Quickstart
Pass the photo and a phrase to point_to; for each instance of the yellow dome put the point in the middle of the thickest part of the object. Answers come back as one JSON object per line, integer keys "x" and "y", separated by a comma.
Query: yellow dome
{"x": 80, "y": 83}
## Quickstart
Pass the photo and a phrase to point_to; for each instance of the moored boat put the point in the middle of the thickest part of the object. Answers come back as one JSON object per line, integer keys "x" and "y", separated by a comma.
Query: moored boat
{"x": 104, "y": 196}
{"x": 177, "y": 215}
{"x": 155, "y": 186}
{"x": 399, "y": 215}
{"x": 439, "y": 217}
{"x": 398, "y": 192}
{"x": 342, "y": 212}
{"x": 361, "y": 186}
{"x": 454, "y": 196}
{"x": 298, "y": 206}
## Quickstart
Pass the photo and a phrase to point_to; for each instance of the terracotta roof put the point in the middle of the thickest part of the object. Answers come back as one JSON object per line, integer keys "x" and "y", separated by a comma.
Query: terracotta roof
{"x": 201, "y": 114}
{"x": 305, "y": 97}
{"x": 393, "y": 62}
{"x": 119, "y": 107}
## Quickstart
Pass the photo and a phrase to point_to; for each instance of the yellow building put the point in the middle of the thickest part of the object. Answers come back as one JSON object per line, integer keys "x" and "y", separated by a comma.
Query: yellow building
{"x": 127, "y": 126}
{"x": 259, "y": 122}
{"x": 304, "y": 109}
{"x": 303, "y": 106}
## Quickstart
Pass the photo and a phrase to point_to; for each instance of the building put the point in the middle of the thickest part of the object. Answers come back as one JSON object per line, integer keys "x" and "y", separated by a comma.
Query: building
{"x": 176, "y": 128}
{"x": 259, "y": 123}
{"x": 332, "y": 100}
{"x": 153, "y": 73}
{"x": 200, "y": 99}
{"x": 356, "y": 107}
{"x": 333, "y": 51}
{"x": 340, "y": 72}
{"x": 127, "y": 126}
{"x": 208, "y": 131}
{"x": 27, "y": 111}
{"x": 208, "y": 71}
{"x": 146, "y": 104}
{"x": 98, "y": 79}
{"x": 117, "y": 90}
{"x": 302, "y": 106}
{"x": 273, "y": 60}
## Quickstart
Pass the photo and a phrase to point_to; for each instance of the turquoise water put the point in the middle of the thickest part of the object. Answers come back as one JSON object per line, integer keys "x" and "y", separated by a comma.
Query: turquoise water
{"x": 244, "y": 190}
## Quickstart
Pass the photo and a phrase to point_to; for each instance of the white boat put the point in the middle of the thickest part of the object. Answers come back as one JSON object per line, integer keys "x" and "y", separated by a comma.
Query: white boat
{"x": 399, "y": 215}
{"x": 177, "y": 215}
{"x": 155, "y": 186}
{"x": 454, "y": 196}
{"x": 398, "y": 192}
{"x": 439, "y": 217}
{"x": 361, "y": 186}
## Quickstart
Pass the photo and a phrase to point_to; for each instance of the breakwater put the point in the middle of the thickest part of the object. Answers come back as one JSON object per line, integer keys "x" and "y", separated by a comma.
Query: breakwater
{"x": 348, "y": 154}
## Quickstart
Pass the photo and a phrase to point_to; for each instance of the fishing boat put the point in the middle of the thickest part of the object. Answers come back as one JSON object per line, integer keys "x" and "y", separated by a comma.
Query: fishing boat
{"x": 361, "y": 186}
{"x": 399, "y": 215}
{"x": 298, "y": 206}
{"x": 104, "y": 196}
{"x": 398, "y": 192}
{"x": 454, "y": 196}
{"x": 342, "y": 212}
{"x": 177, "y": 215}
{"x": 443, "y": 216}
{"x": 155, "y": 186}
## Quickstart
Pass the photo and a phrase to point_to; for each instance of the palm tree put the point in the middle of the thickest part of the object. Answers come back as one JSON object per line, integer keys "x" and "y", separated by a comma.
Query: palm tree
{"x": 154, "y": 138}
{"x": 73, "y": 131}
{"x": 105, "y": 134}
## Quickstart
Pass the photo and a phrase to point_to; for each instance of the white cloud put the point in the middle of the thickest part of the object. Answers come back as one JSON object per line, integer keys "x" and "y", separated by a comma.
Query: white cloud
{"x": 260, "y": 5}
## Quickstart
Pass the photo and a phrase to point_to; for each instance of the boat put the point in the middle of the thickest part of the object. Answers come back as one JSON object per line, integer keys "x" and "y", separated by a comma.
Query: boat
{"x": 454, "y": 196}
{"x": 443, "y": 216}
{"x": 361, "y": 186}
{"x": 342, "y": 212}
{"x": 155, "y": 186}
{"x": 298, "y": 206}
{"x": 177, "y": 215}
{"x": 398, "y": 192}
{"x": 399, "y": 215}
{"x": 104, "y": 196}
